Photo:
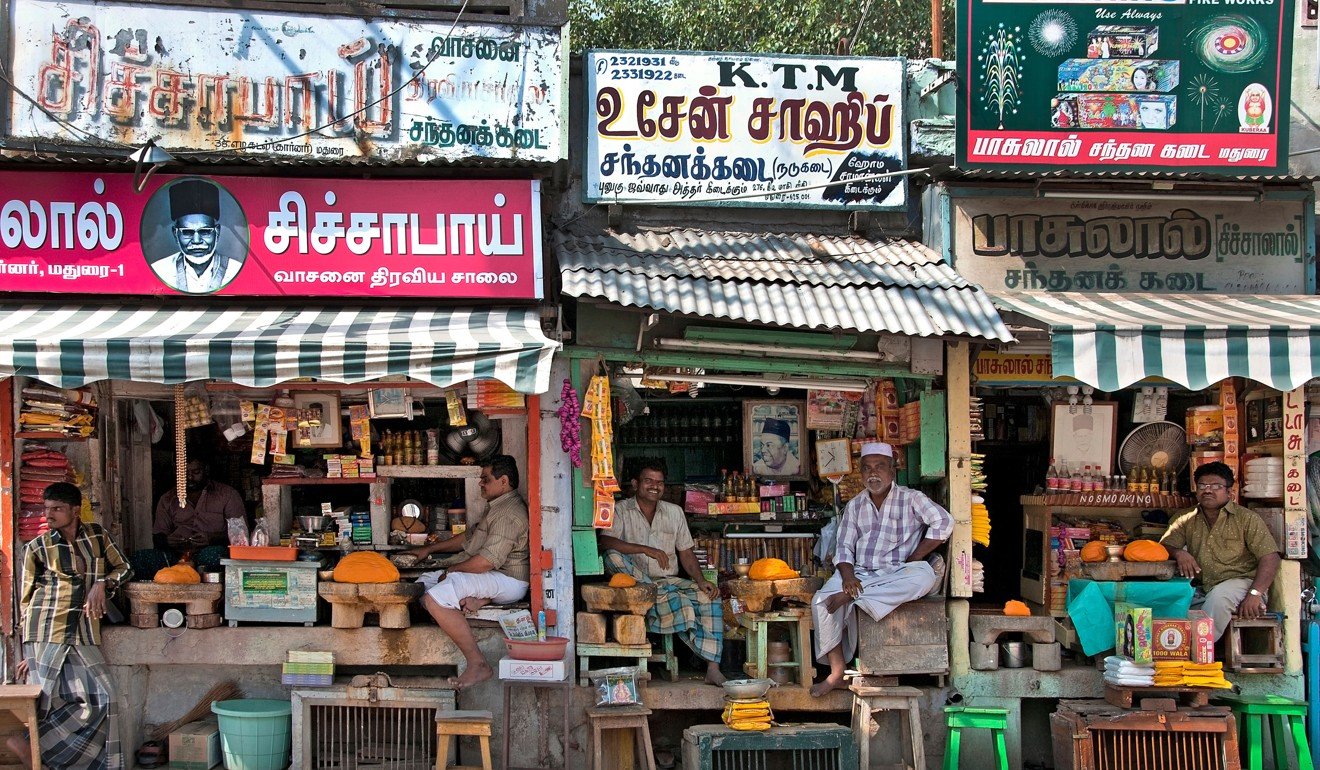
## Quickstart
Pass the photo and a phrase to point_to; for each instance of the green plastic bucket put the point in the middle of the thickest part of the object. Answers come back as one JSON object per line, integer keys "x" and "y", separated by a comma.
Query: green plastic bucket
{"x": 255, "y": 733}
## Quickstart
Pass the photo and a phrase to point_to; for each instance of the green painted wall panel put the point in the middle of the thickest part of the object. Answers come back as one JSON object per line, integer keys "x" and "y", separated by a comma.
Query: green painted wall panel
{"x": 586, "y": 554}
{"x": 934, "y": 435}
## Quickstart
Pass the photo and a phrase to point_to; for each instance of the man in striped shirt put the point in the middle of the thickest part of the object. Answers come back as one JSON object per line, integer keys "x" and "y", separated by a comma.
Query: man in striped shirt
{"x": 68, "y": 574}
{"x": 883, "y": 539}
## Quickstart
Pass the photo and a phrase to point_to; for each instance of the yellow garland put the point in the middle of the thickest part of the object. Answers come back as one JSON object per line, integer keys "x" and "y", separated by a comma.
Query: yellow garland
{"x": 596, "y": 406}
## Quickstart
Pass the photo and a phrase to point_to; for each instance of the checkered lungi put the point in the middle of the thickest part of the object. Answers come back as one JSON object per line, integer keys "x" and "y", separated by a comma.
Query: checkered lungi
{"x": 78, "y": 717}
{"x": 679, "y": 609}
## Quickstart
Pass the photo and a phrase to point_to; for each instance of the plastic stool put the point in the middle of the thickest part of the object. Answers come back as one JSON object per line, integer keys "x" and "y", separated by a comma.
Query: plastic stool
{"x": 959, "y": 717}
{"x": 451, "y": 724}
{"x": 1283, "y": 715}
{"x": 1311, "y": 645}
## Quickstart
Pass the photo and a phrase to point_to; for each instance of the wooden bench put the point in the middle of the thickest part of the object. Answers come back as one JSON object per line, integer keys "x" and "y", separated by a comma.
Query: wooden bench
{"x": 913, "y": 639}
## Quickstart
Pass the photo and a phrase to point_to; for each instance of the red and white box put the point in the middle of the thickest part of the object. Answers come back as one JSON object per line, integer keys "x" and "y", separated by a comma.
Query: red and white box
{"x": 532, "y": 670}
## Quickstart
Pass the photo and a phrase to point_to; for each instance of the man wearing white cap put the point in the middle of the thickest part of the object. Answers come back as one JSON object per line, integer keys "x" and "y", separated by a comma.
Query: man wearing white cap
{"x": 884, "y": 537}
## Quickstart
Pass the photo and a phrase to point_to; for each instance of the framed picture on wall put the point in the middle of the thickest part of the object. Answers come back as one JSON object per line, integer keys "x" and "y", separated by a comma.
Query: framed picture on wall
{"x": 319, "y": 415}
{"x": 774, "y": 438}
{"x": 1082, "y": 435}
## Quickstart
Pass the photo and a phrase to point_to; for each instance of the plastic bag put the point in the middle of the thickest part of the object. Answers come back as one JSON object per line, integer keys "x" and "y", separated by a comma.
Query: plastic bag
{"x": 238, "y": 532}
{"x": 615, "y": 686}
{"x": 196, "y": 407}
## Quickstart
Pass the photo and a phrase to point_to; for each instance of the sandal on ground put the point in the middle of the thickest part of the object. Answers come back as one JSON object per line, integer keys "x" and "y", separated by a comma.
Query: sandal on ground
{"x": 152, "y": 754}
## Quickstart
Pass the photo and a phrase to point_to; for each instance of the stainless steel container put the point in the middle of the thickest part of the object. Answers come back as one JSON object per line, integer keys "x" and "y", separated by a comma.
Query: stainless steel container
{"x": 1013, "y": 654}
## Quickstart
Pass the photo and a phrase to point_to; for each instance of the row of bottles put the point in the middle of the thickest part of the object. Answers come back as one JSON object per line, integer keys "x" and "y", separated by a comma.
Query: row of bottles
{"x": 709, "y": 424}
{"x": 738, "y": 487}
{"x": 1060, "y": 479}
{"x": 409, "y": 447}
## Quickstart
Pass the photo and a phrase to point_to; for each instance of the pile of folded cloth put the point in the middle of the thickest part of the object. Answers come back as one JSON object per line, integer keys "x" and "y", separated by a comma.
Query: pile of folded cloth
{"x": 39, "y": 468}
{"x": 1182, "y": 673}
{"x": 1122, "y": 671}
{"x": 57, "y": 412}
{"x": 746, "y": 714}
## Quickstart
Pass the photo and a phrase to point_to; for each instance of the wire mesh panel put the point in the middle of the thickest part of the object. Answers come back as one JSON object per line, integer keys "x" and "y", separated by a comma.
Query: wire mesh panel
{"x": 793, "y": 759}
{"x": 787, "y": 747}
{"x": 1091, "y": 735}
{"x": 1147, "y": 750}
{"x": 366, "y": 727}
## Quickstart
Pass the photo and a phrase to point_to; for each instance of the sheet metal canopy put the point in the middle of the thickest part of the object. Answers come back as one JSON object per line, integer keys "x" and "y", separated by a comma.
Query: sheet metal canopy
{"x": 792, "y": 281}
{"x": 1113, "y": 340}
{"x": 71, "y": 346}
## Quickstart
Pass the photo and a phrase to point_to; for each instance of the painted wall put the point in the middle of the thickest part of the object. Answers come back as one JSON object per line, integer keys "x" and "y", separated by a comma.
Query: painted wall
{"x": 1304, "y": 141}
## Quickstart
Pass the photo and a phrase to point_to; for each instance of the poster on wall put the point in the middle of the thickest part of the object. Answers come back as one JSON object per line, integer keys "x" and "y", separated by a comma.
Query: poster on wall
{"x": 732, "y": 129}
{"x": 268, "y": 237}
{"x": 308, "y": 86}
{"x": 1009, "y": 245}
{"x": 1132, "y": 85}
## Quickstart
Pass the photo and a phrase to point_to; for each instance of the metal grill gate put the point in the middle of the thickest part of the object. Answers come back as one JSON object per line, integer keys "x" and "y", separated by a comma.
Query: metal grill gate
{"x": 368, "y": 725}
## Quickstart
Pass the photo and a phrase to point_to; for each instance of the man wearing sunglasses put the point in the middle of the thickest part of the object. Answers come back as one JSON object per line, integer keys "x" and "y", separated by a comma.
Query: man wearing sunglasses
{"x": 1226, "y": 547}
{"x": 199, "y": 266}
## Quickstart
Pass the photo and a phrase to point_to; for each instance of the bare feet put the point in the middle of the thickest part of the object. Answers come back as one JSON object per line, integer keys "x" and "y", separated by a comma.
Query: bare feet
{"x": 476, "y": 673}
{"x": 19, "y": 747}
{"x": 471, "y": 604}
{"x": 714, "y": 675}
{"x": 831, "y": 682}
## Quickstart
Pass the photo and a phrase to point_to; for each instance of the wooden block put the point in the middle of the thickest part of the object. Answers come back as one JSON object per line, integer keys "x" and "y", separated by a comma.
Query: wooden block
{"x": 144, "y": 620}
{"x": 212, "y": 620}
{"x": 590, "y": 628}
{"x": 630, "y": 629}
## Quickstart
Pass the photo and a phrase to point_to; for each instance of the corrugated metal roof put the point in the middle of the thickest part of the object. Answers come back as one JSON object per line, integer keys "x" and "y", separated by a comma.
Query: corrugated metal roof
{"x": 798, "y": 281}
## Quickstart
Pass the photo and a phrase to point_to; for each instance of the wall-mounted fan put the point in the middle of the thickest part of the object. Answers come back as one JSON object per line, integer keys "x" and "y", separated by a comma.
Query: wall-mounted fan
{"x": 478, "y": 440}
{"x": 1158, "y": 445}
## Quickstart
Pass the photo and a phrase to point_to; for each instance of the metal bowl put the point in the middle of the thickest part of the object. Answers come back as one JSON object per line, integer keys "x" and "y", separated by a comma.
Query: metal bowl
{"x": 312, "y": 523}
{"x": 1115, "y": 552}
{"x": 742, "y": 570}
{"x": 747, "y": 688}
{"x": 325, "y": 574}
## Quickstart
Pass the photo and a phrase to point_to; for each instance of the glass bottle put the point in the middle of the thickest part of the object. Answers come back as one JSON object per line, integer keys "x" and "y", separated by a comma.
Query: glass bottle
{"x": 1052, "y": 478}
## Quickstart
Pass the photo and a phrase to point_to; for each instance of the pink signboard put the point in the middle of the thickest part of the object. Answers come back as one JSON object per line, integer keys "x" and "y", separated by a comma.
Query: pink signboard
{"x": 266, "y": 237}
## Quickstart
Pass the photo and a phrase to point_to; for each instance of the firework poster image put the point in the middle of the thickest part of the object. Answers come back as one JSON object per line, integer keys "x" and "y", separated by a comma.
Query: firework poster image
{"x": 1125, "y": 85}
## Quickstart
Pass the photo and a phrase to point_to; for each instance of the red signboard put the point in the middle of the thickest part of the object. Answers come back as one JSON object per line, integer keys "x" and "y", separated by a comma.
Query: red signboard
{"x": 262, "y": 237}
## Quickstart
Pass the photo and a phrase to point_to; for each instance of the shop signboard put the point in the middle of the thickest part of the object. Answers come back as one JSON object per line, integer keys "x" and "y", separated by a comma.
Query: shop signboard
{"x": 1010, "y": 244}
{"x": 1000, "y": 366}
{"x": 270, "y": 237}
{"x": 733, "y": 129}
{"x": 284, "y": 84}
{"x": 1125, "y": 85}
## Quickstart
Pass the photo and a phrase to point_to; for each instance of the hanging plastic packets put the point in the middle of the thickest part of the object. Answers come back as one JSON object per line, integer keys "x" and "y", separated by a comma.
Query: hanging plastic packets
{"x": 596, "y": 406}
{"x": 603, "y": 509}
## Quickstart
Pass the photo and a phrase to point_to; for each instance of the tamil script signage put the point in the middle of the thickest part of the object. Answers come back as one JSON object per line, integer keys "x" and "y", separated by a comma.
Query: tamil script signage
{"x": 745, "y": 130}
{"x": 1009, "y": 244}
{"x": 307, "y": 86}
{"x": 1130, "y": 85}
{"x": 256, "y": 237}
{"x": 1000, "y": 366}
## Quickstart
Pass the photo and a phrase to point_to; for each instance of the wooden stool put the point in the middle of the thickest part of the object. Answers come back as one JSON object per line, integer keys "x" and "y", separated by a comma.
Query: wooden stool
{"x": 1283, "y": 715}
{"x": 868, "y": 699}
{"x": 451, "y": 724}
{"x": 758, "y": 634}
{"x": 1264, "y": 634}
{"x": 620, "y": 718}
{"x": 21, "y": 701}
{"x": 959, "y": 717}
{"x": 585, "y": 652}
{"x": 667, "y": 657}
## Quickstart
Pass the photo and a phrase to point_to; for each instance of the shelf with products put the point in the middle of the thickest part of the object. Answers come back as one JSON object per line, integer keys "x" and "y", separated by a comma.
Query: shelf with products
{"x": 28, "y": 435}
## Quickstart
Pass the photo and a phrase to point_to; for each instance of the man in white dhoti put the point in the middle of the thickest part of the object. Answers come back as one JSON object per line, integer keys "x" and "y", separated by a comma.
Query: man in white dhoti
{"x": 884, "y": 537}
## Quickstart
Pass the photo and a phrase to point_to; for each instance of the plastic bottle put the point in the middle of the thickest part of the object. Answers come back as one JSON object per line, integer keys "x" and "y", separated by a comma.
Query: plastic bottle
{"x": 1075, "y": 482}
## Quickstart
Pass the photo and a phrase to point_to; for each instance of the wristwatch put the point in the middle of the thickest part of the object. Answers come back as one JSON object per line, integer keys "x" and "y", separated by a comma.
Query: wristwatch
{"x": 1254, "y": 592}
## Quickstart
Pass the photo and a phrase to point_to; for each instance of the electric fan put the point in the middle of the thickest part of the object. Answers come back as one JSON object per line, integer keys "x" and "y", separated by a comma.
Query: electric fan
{"x": 479, "y": 440}
{"x": 1158, "y": 445}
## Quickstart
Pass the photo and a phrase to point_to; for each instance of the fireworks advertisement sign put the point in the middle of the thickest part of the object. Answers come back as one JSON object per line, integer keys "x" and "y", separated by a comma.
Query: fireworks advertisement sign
{"x": 1125, "y": 85}
{"x": 724, "y": 129}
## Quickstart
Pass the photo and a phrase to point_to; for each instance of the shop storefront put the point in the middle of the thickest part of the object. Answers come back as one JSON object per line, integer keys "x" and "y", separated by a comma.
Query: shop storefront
{"x": 1155, "y": 332}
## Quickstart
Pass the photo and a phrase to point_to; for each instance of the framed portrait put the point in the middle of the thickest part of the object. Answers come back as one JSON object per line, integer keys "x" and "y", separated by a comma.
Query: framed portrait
{"x": 774, "y": 438}
{"x": 194, "y": 235}
{"x": 320, "y": 412}
{"x": 1082, "y": 435}
{"x": 389, "y": 402}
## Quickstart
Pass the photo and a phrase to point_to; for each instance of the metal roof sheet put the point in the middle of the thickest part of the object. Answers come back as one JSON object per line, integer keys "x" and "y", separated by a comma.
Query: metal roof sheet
{"x": 787, "y": 280}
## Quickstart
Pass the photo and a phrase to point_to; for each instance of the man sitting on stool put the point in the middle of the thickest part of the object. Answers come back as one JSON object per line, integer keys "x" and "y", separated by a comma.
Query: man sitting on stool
{"x": 649, "y": 541}
{"x": 1227, "y": 547}
{"x": 884, "y": 537}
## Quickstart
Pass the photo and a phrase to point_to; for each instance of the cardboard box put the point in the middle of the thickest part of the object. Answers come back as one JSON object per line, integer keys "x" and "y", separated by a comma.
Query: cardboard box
{"x": 724, "y": 509}
{"x": 1127, "y": 111}
{"x": 1172, "y": 639}
{"x": 1115, "y": 41}
{"x": 1133, "y": 628}
{"x": 1118, "y": 75}
{"x": 532, "y": 670}
{"x": 196, "y": 745}
{"x": 1203, "y": 637}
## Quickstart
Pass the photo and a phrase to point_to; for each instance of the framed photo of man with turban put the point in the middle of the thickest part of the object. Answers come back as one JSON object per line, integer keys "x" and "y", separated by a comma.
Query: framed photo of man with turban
{"x": 774, "y": 441}
{"x": 1085, "y": 435}
{"x": 194, "y": 236}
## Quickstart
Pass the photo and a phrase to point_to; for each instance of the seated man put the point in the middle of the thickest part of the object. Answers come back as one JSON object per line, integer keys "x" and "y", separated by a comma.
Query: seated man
{"x": 884, "y": 536}
{"x": 649, "y": 541}
{"x": 202, "y": 526}
{"x": 1226, "y": 548}
{"x": 491, "y": 564}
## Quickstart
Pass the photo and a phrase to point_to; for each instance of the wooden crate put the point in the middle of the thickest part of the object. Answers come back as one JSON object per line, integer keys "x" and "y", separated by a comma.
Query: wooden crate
{"x": 1088, "y": 735}
{"x": 913, "y": 639}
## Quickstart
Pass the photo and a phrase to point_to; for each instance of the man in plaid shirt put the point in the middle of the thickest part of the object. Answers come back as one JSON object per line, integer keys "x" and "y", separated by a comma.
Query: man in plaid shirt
{"x": 884, "y": 537}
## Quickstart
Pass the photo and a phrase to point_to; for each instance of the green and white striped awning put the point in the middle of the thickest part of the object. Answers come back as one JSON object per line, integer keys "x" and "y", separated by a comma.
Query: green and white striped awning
{"x": 1110, "y": 341}
{"x": 73, "y": 345}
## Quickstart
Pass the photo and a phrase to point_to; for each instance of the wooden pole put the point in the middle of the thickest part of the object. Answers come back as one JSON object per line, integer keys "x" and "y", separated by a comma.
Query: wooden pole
{"x": 958, "y": 376}
{"x": 936, "y": 29}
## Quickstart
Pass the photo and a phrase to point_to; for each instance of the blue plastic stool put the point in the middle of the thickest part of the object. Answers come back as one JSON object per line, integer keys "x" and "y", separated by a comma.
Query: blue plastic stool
{"x": 1311, "y": 646}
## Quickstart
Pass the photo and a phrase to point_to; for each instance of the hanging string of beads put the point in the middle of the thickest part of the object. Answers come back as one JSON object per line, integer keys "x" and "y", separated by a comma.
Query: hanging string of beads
{"x": 570, "y": 430}
{"x": 180, "y": 446}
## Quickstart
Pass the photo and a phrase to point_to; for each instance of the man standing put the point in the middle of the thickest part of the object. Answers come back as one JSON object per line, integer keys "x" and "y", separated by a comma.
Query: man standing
{"x": 204, "y": 521}
{"x": 1227, "y": 547}
{"x": 776, "y": 458}
{"x": 67, "y": 574}
{"x": 650, "y": 541}
{"x": 884, "y": 537}
{"x": 198, "y": 267}
{"x": 491, "y": 563}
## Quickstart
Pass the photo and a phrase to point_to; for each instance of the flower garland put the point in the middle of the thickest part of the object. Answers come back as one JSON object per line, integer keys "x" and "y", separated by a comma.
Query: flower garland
{"x": 570, "y": 430}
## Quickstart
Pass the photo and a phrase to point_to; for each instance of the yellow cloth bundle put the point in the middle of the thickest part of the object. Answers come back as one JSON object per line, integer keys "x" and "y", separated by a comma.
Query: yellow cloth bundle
{"x": 1182, "y": 673}
{"x": 750, "y": 716}
{"x": 772, "y": 569}
{"x": 981, "y": 524}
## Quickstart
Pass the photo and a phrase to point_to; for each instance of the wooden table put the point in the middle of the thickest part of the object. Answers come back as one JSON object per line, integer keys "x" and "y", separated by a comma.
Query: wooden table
{"x": 21, "y": 701}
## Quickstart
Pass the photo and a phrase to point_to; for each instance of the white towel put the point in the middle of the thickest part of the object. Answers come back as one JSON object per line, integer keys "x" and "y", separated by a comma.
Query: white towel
{"x": 1130, "y": 681}
{"x": 1123, "y": 665}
